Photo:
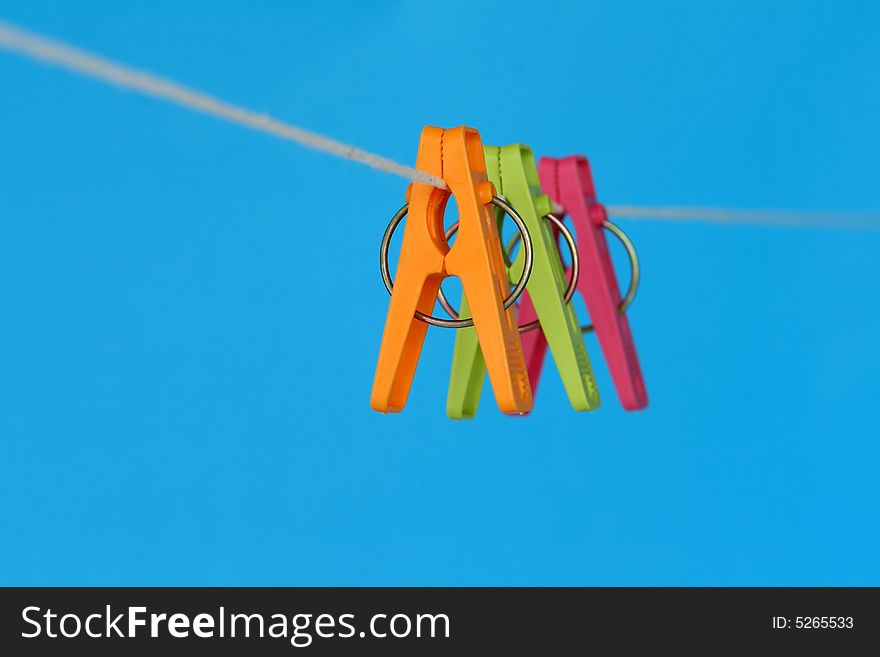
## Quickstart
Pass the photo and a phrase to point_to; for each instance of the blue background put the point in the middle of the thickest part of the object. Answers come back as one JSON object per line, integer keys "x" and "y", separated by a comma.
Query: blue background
{"x": 184, "y": 399}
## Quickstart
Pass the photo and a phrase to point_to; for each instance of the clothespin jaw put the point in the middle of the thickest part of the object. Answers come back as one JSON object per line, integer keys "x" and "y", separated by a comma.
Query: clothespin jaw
{"x": 512, "y": 168}
{"x": 569, "y": 182}
{"x": 456, "y": 156}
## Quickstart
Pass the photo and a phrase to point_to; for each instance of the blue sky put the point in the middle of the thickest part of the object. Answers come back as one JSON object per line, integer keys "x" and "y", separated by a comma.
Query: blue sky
{"x": 184, "y": 396}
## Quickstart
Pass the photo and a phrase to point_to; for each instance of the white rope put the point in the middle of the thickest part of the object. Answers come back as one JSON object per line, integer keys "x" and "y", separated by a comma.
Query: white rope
{"x": 838, "y": 219}
{"x": 94, "y": 66}
{"x": 49, "y": 51}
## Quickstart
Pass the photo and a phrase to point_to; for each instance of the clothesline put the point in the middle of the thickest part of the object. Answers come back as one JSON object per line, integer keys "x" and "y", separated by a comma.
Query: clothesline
{"x": 76, "y": 60}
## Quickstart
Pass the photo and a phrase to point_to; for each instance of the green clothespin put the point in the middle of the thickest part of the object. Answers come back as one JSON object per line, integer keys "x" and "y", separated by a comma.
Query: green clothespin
{"x": 512, "y": 169}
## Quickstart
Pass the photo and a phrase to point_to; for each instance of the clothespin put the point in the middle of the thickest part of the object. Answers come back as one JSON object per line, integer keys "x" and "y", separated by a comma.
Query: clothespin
{"x": 456, "y": 156}
{"x": 512, "y": 169}
{"x": 569, "y": 183}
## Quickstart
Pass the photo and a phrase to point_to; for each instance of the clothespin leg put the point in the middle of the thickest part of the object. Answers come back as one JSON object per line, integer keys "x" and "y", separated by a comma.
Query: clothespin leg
{"x": 559, "y": 323}
{"x": 468, "y": 371}
{"x": 534, "y": 342}
{"x": 404, "y": 335}
{"x": 499, "y": 341}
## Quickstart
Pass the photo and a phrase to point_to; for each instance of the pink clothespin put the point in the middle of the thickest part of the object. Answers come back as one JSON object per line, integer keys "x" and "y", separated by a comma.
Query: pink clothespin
{"x": 569, "y": 183}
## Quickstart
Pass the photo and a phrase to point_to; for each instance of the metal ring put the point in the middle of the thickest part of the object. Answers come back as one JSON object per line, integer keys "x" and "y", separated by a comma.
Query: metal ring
{"x": 572, "y": 281}
{"x": 634, "y": 271}
{"x": 515, "y": 293}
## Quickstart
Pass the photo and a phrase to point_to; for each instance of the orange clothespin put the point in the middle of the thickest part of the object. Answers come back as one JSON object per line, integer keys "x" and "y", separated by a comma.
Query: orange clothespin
{"x": 456, "y": 156}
